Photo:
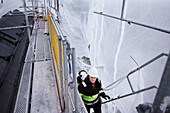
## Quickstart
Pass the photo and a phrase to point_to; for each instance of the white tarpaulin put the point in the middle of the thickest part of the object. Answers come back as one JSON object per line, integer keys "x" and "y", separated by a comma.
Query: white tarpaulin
{"x": 114, "y": 46}
{"x": 120, "y": 47}
{"x": 9, "y": 5}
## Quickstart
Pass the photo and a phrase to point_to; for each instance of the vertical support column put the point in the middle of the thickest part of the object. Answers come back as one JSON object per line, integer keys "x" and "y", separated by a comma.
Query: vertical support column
{"x": 55, "y": 8}
{"x": 162, "y": 98}
{"x": 58, "y": 14}
{"x": 69, "y": 56}
{"x": 69, "y": 63}
{"x": 57, "y": 5}
{"x": 54, "y": 4}
{"x": 28, "y": 29}
{"x": 36, "y": 5}
{"x": 33, "y": 8}
{"x": 123, "y": 7}
{"x": 61, "y": 70}
{"x": 26, "y": 17}
{"x": 65, "y": 76}
{"x": 45, "y": 12}
{"x": 50, "y": 4}
{"x": 74, "y": 78}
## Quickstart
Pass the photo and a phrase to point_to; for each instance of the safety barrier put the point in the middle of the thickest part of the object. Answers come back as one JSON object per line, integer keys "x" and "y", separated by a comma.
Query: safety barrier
{"x": 64, "y": 62}
{"x": 130, "y": 84}
{"x": 56, "y": 56}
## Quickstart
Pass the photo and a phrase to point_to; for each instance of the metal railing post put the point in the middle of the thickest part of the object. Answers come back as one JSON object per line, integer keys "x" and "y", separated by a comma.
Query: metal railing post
{"x": 45, "y": 10}
{"x": 26, "y": 18}
{"x": 28, "y": 29}
{"x": 65, "y": 76}
{"x": 61, "y": 70}
{"x": 33, "y": 6}
{"x": 74, "y": 78}
{"x": 130, "y": 83}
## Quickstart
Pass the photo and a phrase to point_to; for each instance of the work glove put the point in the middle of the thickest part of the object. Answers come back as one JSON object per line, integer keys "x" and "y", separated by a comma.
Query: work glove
{"x": 106, "y": 97}
{"x": 103, "y": 95}
{"x": 100, "y": 89}
{"x": 82, "y": 74}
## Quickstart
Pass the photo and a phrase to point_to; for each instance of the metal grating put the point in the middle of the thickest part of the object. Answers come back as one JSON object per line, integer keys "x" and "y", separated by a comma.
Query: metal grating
{"x": 43, "y": 51}
{"x": 22, "y": 101}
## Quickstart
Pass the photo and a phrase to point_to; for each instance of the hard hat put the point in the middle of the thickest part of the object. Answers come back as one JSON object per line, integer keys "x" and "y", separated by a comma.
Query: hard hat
{"x": 83, "y": 74}
{"x": 93, "y": 72}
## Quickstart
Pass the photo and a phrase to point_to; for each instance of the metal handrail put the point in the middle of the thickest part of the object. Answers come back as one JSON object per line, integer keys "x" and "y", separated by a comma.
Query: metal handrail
{"x": 142, "y": 66}
{"x": 67, "y": 51}
{"x": 132, "y": 22}
{"x": 58, "y": 37}
{"x": 54, "y": 25}
{"x": 129, "y": 94}
{"x": 133, "y": 71}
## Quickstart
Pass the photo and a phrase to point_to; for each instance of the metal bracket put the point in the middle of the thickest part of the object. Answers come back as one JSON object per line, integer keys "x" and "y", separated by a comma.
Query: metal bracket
{"x": 71, "y": 84}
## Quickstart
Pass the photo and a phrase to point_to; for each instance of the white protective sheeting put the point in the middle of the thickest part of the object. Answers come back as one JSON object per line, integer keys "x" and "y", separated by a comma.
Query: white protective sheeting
{"x": 113, "y": 43}
{"x": 9, "y": 5}
{"x": 74, "y": 15}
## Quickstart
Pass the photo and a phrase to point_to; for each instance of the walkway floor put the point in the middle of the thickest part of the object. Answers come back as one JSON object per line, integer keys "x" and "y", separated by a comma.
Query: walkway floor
{"x": 45, "y": 97}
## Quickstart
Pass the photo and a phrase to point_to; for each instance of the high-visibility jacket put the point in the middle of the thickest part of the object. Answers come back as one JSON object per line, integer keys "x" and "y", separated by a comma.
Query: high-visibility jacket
{"x": 78, "y": 80}
{"x": 89, "y": 98}
{"x": 90, "y": 94}
{"x": 78, "y": 83}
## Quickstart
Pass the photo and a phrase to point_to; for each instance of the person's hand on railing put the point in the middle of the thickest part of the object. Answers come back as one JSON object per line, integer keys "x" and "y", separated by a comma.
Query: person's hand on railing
{"x": 103, "y": 95}
{"x": 106, "y": 97}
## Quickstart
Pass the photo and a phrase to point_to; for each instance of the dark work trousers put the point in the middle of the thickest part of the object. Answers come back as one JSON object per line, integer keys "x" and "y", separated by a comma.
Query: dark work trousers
{"x": 96, "y": 107}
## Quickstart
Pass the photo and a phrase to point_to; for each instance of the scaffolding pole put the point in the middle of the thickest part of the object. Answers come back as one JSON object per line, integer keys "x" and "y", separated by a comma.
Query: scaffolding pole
{"x": 28, "y": 29}
{"x": 16, "y": 27}
{"x": 65, "y": 76}
{"x": 132, "y": 22}
{"x": 74, "y": 78}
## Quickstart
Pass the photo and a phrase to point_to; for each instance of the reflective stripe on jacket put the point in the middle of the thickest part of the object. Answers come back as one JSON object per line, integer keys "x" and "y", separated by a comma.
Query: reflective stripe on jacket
{"x": 89, "y": 98}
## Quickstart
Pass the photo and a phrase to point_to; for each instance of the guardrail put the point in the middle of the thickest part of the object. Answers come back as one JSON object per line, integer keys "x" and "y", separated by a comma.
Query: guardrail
{"x": 130, "y": 84}
{"x": 64, "y": 62}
